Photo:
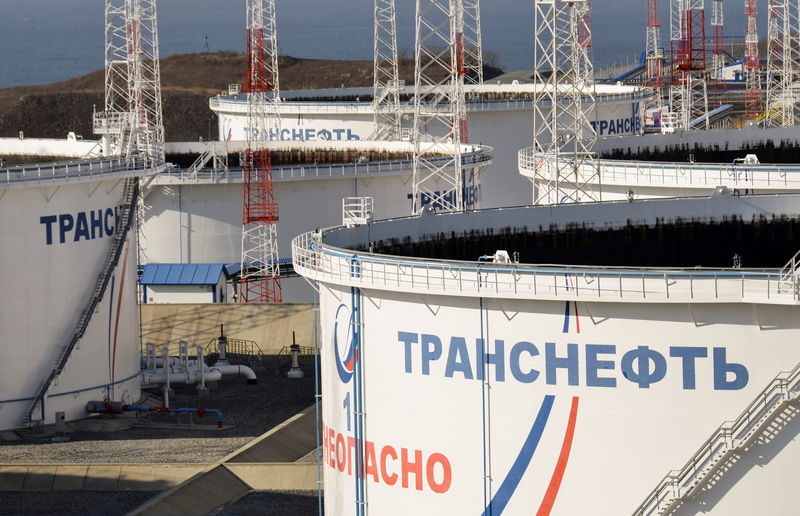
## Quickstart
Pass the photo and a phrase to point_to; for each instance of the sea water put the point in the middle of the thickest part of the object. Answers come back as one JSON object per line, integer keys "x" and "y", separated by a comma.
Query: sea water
{"x": 43, "y": 41}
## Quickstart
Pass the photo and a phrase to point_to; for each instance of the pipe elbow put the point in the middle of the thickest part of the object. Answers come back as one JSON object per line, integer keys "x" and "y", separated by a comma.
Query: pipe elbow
{"x": 238, "y": 369}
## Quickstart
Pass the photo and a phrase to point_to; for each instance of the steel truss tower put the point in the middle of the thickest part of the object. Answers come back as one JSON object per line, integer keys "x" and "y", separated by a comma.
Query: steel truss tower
{"x": 654, "y": 53}
{"x": 473, "y": 47}
{"x": 688, "y": 98}
{"x": 717, "y": 53}
{"x": 440, "y": 121}
{"x": 132, "y": 121}
{"x": 782, "y": 64}
{"x": 753, "y": 105}
{"x": 260, "y": 280}
{"x": 387, "y": 85}
{"x": 564, "y": 137}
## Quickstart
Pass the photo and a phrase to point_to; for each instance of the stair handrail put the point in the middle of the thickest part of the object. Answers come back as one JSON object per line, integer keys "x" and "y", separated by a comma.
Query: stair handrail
{"x": 729, "y": 434}
{"x": 130, "y": 193}
{"x": 201, "y": 161}
{"x": 790, "y": 272}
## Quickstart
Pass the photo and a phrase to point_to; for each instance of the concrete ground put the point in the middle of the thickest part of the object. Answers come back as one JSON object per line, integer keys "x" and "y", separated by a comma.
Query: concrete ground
{"x": 117, "y": 464}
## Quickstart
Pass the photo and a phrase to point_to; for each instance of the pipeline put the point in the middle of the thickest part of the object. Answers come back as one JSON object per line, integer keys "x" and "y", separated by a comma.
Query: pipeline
{"x": 187, "y": 377}
{"x": 115, "y": 407}
{"x": 235, "y": 369}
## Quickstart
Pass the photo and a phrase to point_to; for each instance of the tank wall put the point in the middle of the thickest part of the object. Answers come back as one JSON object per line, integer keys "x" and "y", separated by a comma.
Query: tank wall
{"x": 507, "y": 131}
{"x": 54, "y": 244}
{"x": 203, "y": 223}
{"x": 576, "y": 391}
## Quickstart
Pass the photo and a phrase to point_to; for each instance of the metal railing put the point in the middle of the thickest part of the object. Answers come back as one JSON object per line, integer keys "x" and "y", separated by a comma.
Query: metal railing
{"x": 683, "y": 175}
{"x": 482, "y": 155}
{"x": 237, "y": 348}
{"x": 53, "y": 172}
{"x": 356, "y": 211}
{"x": 474, "y": 102}
{"x": 314, "y": 260}
{"x": 729, "y": 437}
{"x": 67, "y": 171}
{"x": 106, "y": 122}
{"x": 789, "y": 274}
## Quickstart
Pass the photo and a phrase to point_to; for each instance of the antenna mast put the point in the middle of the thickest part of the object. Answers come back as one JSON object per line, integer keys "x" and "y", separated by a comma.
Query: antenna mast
{"x": 387, "y": 85}
{"x": 688, "y": 99}
{"x": 440, "y": 122}
{"x": 564, "y": 138}
{"x": 260, "y": 280}
{"x": 473, "y": 47}
{"x": 717, "y": 53}
{"x": 654, "y": 54}
{"x": 782, "y": 65}
{"x": 753, "y": 105}
{"x": 132, "y": 123}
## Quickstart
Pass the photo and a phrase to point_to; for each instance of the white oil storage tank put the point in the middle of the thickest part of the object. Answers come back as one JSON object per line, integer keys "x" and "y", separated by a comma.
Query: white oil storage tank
{"x": 68, "y": 322}
{"x": 456, "y": 379}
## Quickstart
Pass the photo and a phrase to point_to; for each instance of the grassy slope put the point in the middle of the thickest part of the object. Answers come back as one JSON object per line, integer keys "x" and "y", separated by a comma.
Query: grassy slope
{"x": 188, "y": 80}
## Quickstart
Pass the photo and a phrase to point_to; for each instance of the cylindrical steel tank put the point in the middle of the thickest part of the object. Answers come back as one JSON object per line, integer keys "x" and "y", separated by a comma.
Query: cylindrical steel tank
{"x": 493, "y": 387}
{"x": 54, "y": 241}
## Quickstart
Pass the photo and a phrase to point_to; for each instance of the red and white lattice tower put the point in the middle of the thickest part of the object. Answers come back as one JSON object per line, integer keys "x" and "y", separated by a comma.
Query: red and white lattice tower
{"x": 783, "y": 58}
{"x": 753, "y": 105}
{"x": 473, "y": 47}
{"x": 440, "y": 117}
{"x": 717, "y": 53}
{"x": 564, "y": 138}
{"x": 688, "y": 99}
{"x": 260, "y": 280}
{"x": 654, "y": 53}
{"x": 131, "y": 122}
{"x": 386, "y": 86}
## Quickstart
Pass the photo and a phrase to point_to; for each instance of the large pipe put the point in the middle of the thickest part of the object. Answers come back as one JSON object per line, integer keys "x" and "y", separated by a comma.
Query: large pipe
{"x": 236, "y": 369}
{"x": 193, "y": 375}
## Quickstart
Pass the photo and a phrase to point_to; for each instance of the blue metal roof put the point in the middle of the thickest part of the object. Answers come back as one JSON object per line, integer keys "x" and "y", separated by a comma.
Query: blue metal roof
{"x": 182, "y": 273}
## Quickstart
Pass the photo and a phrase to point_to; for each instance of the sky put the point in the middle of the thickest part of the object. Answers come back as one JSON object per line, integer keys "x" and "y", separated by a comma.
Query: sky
{"x": 43, "y": 41}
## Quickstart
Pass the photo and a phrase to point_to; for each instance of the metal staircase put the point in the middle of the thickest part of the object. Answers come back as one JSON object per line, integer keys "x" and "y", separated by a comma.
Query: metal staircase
{"x": 219, "y": 162}
{"x": 788, "y": 276}
{"x": 730, "y": 437}
{"x": 127, "y": 211}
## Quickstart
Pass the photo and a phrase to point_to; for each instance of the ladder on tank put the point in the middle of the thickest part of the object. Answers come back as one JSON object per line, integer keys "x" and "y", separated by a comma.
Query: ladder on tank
{"x": 730, "y": 437}
{"x": 130, "y": 193}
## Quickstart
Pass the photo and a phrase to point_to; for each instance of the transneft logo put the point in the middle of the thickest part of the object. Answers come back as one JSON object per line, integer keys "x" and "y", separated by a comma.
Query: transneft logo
{"x": 85, "y": 225}
{"x": 641, "y": 365}
{"x": 343, "y": 333}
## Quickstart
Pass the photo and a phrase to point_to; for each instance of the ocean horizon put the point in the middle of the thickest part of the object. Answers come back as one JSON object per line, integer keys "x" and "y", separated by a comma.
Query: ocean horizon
{"x": 44, "y": 41}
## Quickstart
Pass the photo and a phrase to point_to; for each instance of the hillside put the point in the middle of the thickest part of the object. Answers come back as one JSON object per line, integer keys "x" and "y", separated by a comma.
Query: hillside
{"x": 187, "y": 81}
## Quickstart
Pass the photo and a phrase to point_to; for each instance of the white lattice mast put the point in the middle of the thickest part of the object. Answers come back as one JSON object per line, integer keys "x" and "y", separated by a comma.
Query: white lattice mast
{"x": 688, "y": 98}
{"x": 753, "y": 105}
{"x": 387, "y": 85}
{"x": 473, "y": 46}
{"x": 259, "y": 280}
{"x": 654, "y": 53}
{"x": 564, "y": 138}
{"x": 440, "y": 123}
{"x": 132, "y": 121}
{"x": 782, "y": 64}
{"x": 261, "y": 74}
{"x": 717, "y": 52}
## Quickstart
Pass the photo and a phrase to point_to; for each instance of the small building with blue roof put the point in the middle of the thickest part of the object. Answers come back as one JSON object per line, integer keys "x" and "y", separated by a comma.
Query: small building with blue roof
{"x": 184, "y": 283}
